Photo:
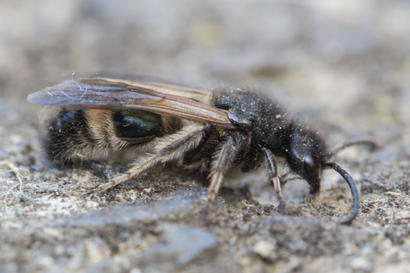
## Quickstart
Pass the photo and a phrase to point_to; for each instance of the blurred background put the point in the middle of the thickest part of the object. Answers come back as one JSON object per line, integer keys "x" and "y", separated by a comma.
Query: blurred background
{"x": 341, "y": 66}
{"x": 341, "y": 54}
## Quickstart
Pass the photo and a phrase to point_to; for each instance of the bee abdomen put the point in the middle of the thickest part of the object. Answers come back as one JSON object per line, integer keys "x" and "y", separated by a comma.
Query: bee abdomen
{"x": 68, "y": 140}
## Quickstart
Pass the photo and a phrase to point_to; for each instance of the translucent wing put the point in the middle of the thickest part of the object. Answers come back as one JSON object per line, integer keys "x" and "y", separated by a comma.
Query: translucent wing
{"x": 160, "y": 98}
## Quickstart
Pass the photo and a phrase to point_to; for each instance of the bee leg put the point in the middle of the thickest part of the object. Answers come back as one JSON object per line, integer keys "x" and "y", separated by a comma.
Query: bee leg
{"x": 166, "y": 149}
{"x": 284, "y": 180}
{"x": 272, "y": 170}
{"x": 223, "y": 161}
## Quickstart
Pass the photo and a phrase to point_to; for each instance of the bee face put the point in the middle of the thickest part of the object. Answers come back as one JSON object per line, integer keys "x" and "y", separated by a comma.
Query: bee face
{"x": 306, "y": 153}
{"x": 157, "y": 123}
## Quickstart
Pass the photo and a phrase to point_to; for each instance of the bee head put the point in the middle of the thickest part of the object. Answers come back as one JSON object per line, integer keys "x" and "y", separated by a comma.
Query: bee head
{"x": 306, "y": 157}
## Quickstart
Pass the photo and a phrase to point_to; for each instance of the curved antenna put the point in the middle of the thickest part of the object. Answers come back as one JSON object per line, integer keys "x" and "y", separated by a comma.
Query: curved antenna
{"x": 349, "y": 180}
{"x": 371, "y": 144}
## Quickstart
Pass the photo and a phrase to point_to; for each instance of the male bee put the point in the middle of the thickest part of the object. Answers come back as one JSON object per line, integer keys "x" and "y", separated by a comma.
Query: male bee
{"x": 159, "y": 122}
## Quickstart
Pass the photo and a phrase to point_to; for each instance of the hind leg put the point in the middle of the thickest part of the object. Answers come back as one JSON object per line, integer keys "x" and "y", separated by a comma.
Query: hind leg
{"x": 166, "y": 149}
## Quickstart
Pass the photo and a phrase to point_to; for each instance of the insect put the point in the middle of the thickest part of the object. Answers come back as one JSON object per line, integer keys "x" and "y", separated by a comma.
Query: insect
{"x": 155, "y": 122}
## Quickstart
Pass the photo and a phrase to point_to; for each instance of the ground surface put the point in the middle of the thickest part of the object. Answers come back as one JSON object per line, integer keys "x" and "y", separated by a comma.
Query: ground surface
{"x": 342, "y": 66}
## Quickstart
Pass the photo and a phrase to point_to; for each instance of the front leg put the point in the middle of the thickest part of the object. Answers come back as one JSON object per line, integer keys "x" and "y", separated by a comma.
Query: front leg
{"x": 272, "y": 170}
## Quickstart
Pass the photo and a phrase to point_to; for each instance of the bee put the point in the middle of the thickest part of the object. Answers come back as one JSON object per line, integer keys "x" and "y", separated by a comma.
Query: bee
{"x": 156, "y": 122}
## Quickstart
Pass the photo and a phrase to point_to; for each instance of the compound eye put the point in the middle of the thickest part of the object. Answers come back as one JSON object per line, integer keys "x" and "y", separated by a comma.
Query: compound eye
{"x": 312, "y": 173}
{"x": 134, "y": 124}
{"x": 311, "y": 167}
{"x": 308, "y": 162}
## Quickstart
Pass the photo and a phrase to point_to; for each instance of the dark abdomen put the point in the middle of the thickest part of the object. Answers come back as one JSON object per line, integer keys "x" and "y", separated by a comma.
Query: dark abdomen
{"x": 68, "y": 131}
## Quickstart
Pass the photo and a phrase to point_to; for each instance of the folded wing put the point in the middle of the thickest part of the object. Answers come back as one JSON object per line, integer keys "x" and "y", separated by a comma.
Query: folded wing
{"x": 160, "y": 98}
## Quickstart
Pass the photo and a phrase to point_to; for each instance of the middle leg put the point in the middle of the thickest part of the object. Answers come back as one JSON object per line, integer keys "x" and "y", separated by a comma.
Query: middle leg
{"x": 220, "y": 165}
{"x": 234, "y": 147}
